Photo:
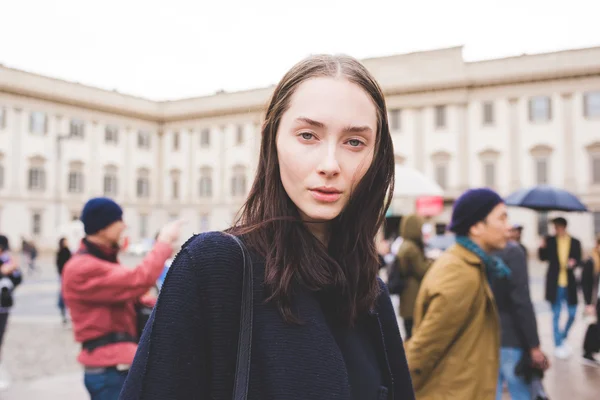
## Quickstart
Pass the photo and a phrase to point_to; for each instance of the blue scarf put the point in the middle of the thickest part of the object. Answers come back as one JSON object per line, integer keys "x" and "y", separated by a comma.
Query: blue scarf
{"x": 494, "y": 266}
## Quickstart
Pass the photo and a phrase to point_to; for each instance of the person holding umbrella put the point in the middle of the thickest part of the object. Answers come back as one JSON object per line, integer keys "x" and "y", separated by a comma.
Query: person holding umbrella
{"x": 563, "y": 254}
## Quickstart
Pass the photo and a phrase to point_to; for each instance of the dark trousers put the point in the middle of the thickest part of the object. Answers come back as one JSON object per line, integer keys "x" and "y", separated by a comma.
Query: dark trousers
{"x": 591, "y": 342}
{"x": 3, "y": 323}
{"x": 408, "y": 325}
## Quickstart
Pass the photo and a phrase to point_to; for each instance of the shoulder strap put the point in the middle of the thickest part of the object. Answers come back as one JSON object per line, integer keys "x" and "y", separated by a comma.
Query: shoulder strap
{"x": 242, "y": 369}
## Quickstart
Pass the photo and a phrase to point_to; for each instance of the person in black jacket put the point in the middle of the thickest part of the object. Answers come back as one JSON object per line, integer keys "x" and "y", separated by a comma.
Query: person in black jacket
{"x": 563, "y": 254}
{"x": 10, "y": 278}
{"x": 323, "y": 325}
{"x": 518, "y": 323}
{"x": 62, "y": 256}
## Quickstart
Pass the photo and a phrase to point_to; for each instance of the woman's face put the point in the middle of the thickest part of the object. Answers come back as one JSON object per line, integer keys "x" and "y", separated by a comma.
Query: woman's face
{"x": 325, "y": 145}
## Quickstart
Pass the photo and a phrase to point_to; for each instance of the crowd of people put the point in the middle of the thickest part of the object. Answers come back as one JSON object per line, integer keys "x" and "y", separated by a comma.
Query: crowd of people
{"x": 421, "y": 288}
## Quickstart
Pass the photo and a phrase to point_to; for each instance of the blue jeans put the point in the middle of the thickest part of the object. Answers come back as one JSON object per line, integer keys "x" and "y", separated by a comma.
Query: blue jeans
{"x": 561, "y": 297}
{"x": 517, "y": 387}
{"x": 106, "y": 385}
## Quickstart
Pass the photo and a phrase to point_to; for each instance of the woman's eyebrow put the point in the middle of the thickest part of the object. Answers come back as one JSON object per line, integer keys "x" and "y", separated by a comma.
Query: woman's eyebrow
{"x": 348, "y": 129}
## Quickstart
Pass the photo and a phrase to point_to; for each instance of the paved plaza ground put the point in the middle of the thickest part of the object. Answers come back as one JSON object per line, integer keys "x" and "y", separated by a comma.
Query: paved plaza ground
{"x": 40, "y": 352}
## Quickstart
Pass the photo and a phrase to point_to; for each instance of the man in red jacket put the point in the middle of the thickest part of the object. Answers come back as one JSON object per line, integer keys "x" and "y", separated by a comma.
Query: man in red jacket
{"x": 102, "y": 295}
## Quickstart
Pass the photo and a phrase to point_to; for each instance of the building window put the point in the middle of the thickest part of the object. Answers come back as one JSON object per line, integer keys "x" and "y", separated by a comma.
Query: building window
{"x": 143, "y": 226}
{"x": 596, "y": 169}
{"x": 205, "y": 189}
{"x": 591, "y": 104}
{"x": 489, "y": 174}
{"x": 36, "y": 224}
{"x": 440, "y": 117}
{"x": 441, "y": 175}
{"x": 395, "y": 119}
{"x": 540, "y": 109}
{"x": 204, "y": 223}
{"x": 77, "y": 129}
{"x": 205, "y": 137}
{"x": 175, "y": 186}
{"x": 541, "y": 171}
{"x": 143, "y": 140}
{"x": 175, "y": 141}
{"x": 238, "y": 181}
{"x": 239, "y": 135}
{"x": 38, "y": 123}
{"x": 37, "y": 179}
{"x": 542, "y": 223}
{"x": 143, "y": 184}
{"x": 75, "y": 182}
{"x": 111, "y": 134}
{"x": 488, "y": 113}
{"x": 110, "y": 184}
{"x": 2, "y": 117}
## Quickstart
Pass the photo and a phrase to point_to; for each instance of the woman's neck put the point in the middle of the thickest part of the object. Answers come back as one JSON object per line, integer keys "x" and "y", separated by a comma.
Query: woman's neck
{"x": 320, "y": 230}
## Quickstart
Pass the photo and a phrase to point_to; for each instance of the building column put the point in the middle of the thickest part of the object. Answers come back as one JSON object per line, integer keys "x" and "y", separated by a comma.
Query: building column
{"x": 222, "y": 173}
{"x": 19, "y": 172}
{"x": 515, "y": 144}
{"x": 192, "y": 186}
{"x": 419, "y": 140}
{"x": 161, "y": 173}
{"x": 129, "y": 184}
{"x": 94, "y": 181}
{"x": 568, "y": 142}
{"x": 463, "y": 148}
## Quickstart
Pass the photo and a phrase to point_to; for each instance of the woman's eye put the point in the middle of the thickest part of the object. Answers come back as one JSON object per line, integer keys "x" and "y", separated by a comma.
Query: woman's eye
{"x": 354, "y": 142}
{"x": 307, "y": 135}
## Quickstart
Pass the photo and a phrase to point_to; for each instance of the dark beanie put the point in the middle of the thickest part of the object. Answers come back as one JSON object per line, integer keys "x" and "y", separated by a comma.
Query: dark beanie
{"x": 472, "y": 207}
{"x": 98, "y": 213}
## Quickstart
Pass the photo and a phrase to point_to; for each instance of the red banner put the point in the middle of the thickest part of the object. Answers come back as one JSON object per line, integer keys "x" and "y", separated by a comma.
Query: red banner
{"x": 430, "y": 206}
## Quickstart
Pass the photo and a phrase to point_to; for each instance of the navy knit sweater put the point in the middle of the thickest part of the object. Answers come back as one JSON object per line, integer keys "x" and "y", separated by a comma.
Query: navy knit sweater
{"x": 188, "y": 350}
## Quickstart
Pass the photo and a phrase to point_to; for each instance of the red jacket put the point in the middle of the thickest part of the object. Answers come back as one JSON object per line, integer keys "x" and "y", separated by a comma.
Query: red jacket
{"x": 101, "y": 296}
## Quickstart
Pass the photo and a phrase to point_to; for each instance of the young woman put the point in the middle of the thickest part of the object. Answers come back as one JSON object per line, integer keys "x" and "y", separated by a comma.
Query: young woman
{"x": 323, "y": 325}
{"x": 62, "y": 256}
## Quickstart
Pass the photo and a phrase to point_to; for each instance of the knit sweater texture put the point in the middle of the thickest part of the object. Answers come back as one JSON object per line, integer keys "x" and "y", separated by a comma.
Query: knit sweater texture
{"x": 189, "y": 347}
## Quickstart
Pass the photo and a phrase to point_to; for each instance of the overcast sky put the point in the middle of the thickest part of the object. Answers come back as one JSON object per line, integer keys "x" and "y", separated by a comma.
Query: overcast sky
{"x": 193, "y": 47}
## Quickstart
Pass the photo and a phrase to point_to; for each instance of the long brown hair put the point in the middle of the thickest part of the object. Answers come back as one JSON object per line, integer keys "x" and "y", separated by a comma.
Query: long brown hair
{"x": 271, "y": 224}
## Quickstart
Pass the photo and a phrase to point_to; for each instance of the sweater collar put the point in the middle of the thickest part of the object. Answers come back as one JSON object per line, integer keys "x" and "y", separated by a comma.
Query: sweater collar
{"x": 102, "y": 252}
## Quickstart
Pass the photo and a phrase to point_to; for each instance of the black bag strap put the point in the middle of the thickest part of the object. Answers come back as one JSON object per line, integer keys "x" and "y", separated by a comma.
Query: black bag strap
{"x": 242, "y": 368}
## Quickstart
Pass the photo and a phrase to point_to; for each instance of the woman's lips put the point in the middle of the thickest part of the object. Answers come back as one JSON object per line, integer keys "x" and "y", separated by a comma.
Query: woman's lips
{"x": 325, "y": 196}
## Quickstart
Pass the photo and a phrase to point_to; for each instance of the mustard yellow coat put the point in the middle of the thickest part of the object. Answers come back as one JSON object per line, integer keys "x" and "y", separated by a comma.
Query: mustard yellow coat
{"x": 454, "y": 352}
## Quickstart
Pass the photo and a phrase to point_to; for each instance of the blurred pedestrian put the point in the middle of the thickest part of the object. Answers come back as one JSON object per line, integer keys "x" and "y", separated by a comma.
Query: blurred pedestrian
{"x": 322, "y": 325}
{"x": 516, "y": 235}
{"x": 589, "y": 279}
{"x": 591, "y": 291}
{"x": 33, "y": 254}
{"x": 455, "y": 347}
{"x": 102, "y": 295}
{"x": 563, "y": 254}
{"x": 62, "y": 256}
{"x": 10, "y": 278}
{"x": 520, "y": 343}
{"x": 413, "y": 265}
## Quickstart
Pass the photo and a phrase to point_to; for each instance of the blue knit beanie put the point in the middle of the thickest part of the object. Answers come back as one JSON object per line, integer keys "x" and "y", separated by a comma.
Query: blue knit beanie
{"x": 98, "y": 213}
{"x": 472, "y": 207}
